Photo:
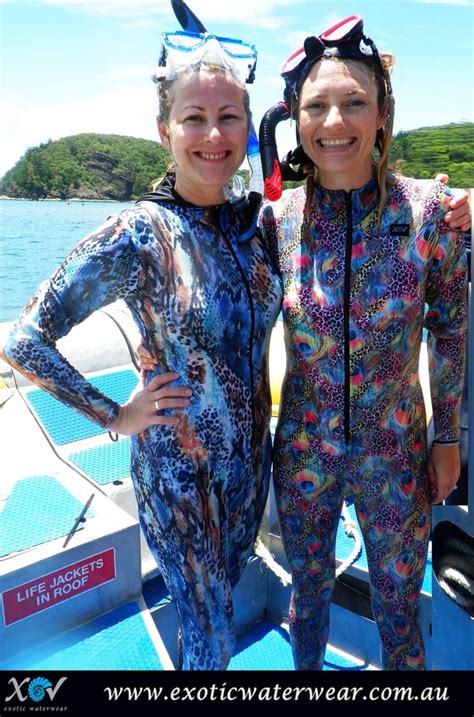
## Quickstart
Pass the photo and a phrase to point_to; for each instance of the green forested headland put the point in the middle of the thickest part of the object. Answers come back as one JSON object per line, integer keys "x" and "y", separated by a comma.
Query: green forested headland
{"x": 87, "y": 166}
{"x": 424, "y": 152}
{"x": 105, "y": 166}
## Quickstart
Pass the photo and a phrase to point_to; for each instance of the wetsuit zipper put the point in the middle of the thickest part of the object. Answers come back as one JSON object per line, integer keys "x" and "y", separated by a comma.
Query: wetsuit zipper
{"x": 252, "y": 329}
{"x": 347, "y": 299}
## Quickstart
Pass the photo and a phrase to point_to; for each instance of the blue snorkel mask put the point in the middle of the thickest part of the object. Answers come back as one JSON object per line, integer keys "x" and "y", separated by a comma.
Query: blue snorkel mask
{"x": 183, "y": 50}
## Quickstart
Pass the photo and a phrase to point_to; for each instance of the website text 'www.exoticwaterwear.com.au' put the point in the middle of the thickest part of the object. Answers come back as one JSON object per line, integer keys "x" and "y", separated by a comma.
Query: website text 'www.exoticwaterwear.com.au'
{"x": 130, "y": 692}
{"x": 223, "y": 692}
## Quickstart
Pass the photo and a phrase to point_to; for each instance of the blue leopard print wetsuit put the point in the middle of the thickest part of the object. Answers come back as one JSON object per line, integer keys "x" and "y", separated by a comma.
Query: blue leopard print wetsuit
{"x": 205, "y": 303}
{"x": 352, "y": 414}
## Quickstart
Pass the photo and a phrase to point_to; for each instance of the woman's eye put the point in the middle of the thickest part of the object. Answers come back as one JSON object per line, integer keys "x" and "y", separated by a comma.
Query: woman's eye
{"x": 315, "y": 106}
{"x": 193, "y": 118}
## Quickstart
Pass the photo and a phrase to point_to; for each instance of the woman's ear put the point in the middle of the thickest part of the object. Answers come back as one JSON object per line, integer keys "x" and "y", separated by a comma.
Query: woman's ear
{"x": 164, "y": 136}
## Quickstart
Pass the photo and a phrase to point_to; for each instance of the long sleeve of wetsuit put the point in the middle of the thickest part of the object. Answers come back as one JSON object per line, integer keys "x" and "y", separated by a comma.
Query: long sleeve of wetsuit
{"x": 446, "y": 321}
{"x": 105, "y": 266}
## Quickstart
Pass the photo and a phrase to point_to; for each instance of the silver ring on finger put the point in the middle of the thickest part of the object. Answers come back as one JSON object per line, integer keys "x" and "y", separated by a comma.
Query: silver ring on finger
{"x": 157, "y": 406}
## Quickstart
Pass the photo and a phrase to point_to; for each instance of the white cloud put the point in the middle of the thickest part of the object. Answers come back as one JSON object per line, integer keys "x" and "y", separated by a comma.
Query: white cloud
{"x": 294, "y": 40}
{"x": 114, "y": 112}
{"x": 139, "y": 23}
{"x": 251, "y": 12}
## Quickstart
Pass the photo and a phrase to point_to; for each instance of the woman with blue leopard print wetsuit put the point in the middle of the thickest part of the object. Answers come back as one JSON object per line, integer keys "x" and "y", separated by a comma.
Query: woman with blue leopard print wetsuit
{"x": 204, "y": 293}
{"x": 360, "y": 253}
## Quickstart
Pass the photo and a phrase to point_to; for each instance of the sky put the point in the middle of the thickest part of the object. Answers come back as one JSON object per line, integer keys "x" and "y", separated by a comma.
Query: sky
{"x": 72, "y": 66}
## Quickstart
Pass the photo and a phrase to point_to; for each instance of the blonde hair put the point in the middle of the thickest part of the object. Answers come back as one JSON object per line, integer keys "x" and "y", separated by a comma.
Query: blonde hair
{"x": 383, "y": 139}
{"x": 167, "y": 94}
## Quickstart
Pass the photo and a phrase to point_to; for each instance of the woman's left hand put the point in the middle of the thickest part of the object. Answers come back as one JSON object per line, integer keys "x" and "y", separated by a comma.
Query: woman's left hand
{"x": 444, "y": 467}
{"x": 459, "y": 214}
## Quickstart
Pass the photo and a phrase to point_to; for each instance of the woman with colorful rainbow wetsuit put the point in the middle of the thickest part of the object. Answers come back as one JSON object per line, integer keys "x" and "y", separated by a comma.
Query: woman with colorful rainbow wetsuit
{"x": 360, "y": 252}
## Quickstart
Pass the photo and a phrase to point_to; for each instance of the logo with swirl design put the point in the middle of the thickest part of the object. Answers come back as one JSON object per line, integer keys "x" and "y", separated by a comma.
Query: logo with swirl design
{"x": 37, "y": 688}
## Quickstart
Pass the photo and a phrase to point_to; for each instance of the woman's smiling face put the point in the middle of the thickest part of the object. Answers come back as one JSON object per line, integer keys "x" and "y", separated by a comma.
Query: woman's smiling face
{"x": 338, "y": 122}
{"x": 207, "y": 134}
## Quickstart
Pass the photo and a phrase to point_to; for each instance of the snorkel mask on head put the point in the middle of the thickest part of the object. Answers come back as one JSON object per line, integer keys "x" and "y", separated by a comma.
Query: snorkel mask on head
{"x": 182, "y": 51}
{"x": 345, "y": 40}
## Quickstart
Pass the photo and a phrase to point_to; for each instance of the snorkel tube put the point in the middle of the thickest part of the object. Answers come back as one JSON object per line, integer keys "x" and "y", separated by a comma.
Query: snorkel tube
{"x": 274, "y": 171}
{"x": 271, "y": 167}
{"x": 186, "y": 18}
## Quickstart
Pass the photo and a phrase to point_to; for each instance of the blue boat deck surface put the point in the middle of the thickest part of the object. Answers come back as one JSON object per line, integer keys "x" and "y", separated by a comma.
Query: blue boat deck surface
{"x": 120, "y": 640}
{"x": 105, "y": 463}
{"x": 39, "y": 509}
{"x": 266, "y": 646}
{"x": 63, "y": 424}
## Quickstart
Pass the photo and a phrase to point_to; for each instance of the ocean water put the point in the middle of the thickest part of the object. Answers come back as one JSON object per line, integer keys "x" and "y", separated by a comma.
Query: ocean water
{"x": 35, "y": 237}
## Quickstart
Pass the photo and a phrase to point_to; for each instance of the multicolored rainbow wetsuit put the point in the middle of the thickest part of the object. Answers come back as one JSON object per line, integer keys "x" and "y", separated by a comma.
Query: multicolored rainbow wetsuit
{"x": 205, "y": 302}
{"x": 352, "y": 414}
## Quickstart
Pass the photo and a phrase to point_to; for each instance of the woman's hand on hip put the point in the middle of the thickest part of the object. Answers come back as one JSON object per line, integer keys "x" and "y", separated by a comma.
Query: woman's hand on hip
{"x": 444, "y": 467}
{"x": 145, "y": 406}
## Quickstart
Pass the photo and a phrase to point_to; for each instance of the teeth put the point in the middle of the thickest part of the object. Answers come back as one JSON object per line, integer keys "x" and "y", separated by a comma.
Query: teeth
{"x": 335, "y": 142}
{"x": 208, "y": 155}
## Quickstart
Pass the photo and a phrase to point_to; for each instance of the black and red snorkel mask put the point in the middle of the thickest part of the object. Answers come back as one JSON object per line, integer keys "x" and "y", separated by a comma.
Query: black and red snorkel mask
{"x": 345, "y": 40}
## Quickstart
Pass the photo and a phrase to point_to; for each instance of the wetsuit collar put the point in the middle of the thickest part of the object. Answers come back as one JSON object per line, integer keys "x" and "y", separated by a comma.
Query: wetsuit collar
{"x": 328, "y": 203}
{"x": 222, "y": 215}
{"x": 167, "y": 193}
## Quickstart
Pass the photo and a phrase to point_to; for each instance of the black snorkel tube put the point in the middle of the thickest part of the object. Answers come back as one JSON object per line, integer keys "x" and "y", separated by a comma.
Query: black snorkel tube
{"x": 275, "y": 172}
{"x": 186, "y": 18}
{"x": 271, "y": 167}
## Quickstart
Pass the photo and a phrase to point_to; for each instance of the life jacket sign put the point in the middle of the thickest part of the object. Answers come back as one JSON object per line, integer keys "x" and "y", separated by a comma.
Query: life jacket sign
{"x": 66, "y": 583}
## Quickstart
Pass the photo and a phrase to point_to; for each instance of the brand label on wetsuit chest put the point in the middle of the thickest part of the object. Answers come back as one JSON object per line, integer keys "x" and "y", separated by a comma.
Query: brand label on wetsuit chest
{"x": 399, "y": 230}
